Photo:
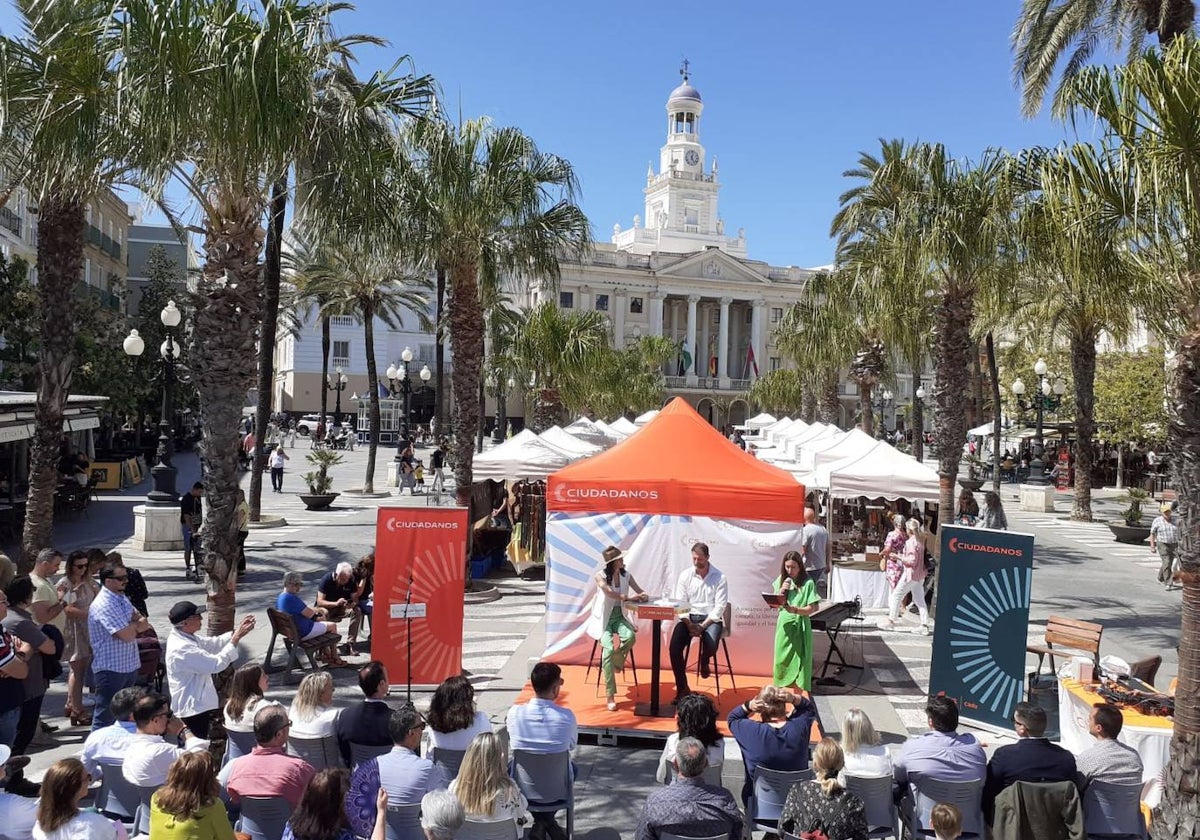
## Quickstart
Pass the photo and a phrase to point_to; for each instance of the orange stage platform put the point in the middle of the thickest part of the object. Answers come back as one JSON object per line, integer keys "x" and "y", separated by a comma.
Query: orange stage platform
{"x": 587, "y": 701}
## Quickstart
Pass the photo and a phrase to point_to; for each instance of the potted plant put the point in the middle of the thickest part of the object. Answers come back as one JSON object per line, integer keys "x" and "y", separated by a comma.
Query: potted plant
{"x": 1131, "y": 529}
{"x": 972, "y": 482}
{"x": 319, "y": 483}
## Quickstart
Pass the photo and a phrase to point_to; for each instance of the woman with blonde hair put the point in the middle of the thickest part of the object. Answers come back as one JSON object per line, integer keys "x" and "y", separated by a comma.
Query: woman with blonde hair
{"x": 189, "y": 806}
{"x": 824, "y": 804}
{"x": 864, "y": 753}
{"x": 313, "y": 714}
{"x": 483, "y": 786}
{"x": 65, "y": 784}
{"x": 912, "y": 579}
{"x": 779, "y": 739}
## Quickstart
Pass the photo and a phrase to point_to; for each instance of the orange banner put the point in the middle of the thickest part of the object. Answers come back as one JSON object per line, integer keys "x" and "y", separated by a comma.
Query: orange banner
{"x": 425, "y": 549}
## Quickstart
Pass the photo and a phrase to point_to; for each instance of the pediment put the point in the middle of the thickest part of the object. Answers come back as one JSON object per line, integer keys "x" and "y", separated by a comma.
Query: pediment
{"x": 712, "y": 265}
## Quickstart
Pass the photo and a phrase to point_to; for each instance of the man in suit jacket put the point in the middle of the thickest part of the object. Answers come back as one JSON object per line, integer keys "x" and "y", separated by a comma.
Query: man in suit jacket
{"x": 1032, "y": 759}
{"x": 366, "y": 723}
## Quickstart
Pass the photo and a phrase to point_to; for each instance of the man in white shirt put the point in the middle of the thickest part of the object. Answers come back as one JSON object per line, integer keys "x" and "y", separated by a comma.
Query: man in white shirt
{"x": 705, "y": 589}
{"x": 149, "y": 755}
{"x": 192, "y": 660}
{"x": 542, "y": 726}
{"x": 109, "y": 743}
{"x": 18, "y": 814}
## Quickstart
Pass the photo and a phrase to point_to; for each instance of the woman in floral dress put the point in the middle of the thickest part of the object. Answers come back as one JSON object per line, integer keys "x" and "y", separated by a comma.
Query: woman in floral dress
{"x": 81, "y": 589}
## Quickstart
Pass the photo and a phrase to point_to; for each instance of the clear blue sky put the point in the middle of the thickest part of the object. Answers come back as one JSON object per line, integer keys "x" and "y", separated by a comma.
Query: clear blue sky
{"x": 792, "y": 91}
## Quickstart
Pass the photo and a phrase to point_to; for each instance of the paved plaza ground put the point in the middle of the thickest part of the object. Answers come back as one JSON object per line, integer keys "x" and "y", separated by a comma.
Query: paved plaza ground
{"x": 1079, "y": 572}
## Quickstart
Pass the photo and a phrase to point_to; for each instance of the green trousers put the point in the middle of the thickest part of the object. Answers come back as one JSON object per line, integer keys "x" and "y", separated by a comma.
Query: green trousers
{"x": 612, "y": 659}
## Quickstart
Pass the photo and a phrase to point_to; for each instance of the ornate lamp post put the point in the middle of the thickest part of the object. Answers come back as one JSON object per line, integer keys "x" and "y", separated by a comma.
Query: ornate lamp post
{"x": 882, "y": 402}
{"x": 163, "y": 494}
{"x": 1047, "y": 398}
{"x": 337, "y": 383}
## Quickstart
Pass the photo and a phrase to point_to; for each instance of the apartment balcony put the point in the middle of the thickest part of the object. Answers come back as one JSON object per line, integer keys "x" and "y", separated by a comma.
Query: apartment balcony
{"x": 706, "y": 383}
{"x": 106, "y": 299}
{"x": 10, "y": 221}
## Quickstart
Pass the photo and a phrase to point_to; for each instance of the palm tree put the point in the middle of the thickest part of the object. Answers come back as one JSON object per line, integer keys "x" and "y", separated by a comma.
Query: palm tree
{"x": 779, "y": 391}
{"x": 1048, "y": 29}
{"x": 223, "y": 100}
{"x": 60, "y": 136}
{"x": 487, "y": 202}
{"x": 561, "y": 349}
{"x": 1074, "y": 277}
{"x": 625, "y": 381}
{"x": 1150, "y": 112}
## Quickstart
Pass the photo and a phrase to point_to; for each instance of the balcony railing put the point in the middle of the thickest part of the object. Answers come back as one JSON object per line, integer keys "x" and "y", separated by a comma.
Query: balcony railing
{"x": 10, "y": 220}
{"x": 676, "y": 381}
{"x": 106, "y": 299}
{"x": 739, "y": 384}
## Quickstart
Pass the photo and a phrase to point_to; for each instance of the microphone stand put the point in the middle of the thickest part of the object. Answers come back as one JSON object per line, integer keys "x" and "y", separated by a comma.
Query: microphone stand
{"x": 408, "y": 638}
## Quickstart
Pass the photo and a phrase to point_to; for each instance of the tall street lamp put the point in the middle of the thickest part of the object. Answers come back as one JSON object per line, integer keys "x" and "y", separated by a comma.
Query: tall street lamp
{"x": 882, "y": 402}
{"x": 163, "y": 494}
{"x": 1047, "y": 398}
{"x": 337, "y": 383}
{"x": 401, "y": 383}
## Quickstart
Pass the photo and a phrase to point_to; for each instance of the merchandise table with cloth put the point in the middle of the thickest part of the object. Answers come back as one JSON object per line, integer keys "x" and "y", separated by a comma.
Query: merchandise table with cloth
{"x": 1149, "y": 735}
{"x": 859, "y": 579}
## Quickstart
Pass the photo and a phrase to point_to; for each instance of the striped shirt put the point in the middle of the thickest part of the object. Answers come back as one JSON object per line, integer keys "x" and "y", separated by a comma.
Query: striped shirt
{"x": 1164, "y": 530}
{"x": 110, "y": 613}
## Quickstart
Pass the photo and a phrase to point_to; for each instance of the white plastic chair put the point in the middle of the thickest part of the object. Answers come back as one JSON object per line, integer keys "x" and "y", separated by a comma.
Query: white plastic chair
{"x": 883, "y": 820}
{"x": 404, "y": 822}
{"x": 966, "y": 796}
{"x": 548, "y": 783}
{"x": 264, "y": 817}
{"x": 489, "y": 830}
{"x": 770, "y": 793}
{"x": 319, "y": 752}
{"x": 1113, "y": 811}
{"x": 364, "y": 752}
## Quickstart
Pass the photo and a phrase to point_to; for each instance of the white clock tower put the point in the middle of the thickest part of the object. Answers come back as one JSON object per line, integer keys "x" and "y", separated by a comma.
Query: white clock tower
{"x": 681, "y": 198}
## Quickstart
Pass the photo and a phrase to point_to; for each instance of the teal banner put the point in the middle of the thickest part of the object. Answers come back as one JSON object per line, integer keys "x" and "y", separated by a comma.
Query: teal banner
{"x": 982, "y": 621}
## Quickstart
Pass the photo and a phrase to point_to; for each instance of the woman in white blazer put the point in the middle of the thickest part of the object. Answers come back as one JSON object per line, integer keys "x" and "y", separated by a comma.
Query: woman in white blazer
{"x": 615, "y": 587}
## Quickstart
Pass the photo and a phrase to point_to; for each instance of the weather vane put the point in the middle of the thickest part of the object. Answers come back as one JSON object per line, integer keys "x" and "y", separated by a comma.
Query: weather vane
{"x": 683, "y": 70}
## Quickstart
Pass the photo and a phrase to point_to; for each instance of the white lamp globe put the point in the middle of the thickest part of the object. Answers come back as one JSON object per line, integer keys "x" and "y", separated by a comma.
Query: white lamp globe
{"x": 921, "y": 393}
{"x": 1047, "y": 387}
{"x": 133, "y": 344}
{"x": 392, "y": 372}
{"x": 170, "y": 315}
{"x": 1040, "y": 367}
{"x": 406, "y": 355}
{"x": 426, "y": 373}
{"x": 1018, "y": 387}
{"x": 1060, "y": 387}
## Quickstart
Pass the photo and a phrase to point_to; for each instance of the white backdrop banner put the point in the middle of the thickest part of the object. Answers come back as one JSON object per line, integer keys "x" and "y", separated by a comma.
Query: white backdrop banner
{"x": 657, "y": 548}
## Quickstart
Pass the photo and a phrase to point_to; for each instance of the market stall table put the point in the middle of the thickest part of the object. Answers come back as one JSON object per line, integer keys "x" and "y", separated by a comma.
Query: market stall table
{"x": 1150, "y": 736}
{"x": 859, "y": 579}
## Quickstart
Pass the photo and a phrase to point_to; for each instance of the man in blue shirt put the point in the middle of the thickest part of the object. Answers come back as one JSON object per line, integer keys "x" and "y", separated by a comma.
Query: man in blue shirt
{"x": 310, "y": 621}
{"x": 940, "y": 753}
{"x": 542, "y": 726}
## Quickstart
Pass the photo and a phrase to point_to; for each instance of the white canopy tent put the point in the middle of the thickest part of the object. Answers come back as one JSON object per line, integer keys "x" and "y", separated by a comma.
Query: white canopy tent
{"x": 623, "y": 425}
{"x": 587, "y": 430}
{"x": 853, "y": 442}
{"x": 757, "y": 423}
{"x": 569, "y": 444}
{"x": 779, "y": 427}
{"x": 809, "y": 438}
{"x": 524, "y": 455}
{"x": 643, "y": 419}
{"x": 612, "y": 433}
{"x": 883, "y": 471}
{"x": 780, "y": 446}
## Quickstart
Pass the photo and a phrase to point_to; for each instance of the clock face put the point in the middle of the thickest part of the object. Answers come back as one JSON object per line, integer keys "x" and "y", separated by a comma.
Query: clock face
{"x": 691, "y": 158}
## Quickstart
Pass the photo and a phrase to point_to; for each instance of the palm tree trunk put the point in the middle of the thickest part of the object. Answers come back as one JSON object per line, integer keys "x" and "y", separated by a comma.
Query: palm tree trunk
{"x": 976, "y": 386}
{"x": 548, "y": 411}
{"x": 868, "y": 415}
{"x": 829, "y": 406}
{"x": 1178, "y": 814}
{"x": 1083, "y": 370}
{"x": 62, "y": 228}
{"x": 808, "y": 405}
{"x": 466, "y": 343}
{"x": 439, "y": 354}
{"x": 326, "y": 343}
{"x": 952, "y": 355}
{"x": 994, "y": 373}
{"x": 272, "y": 269}
{"x": 222, "y": 353}
{"x": 368, "y": 315}
{"x": 1178, "y": 20}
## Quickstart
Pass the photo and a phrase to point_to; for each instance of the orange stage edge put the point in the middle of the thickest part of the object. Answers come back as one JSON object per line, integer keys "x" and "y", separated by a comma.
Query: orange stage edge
{"x": 587, "y": 701}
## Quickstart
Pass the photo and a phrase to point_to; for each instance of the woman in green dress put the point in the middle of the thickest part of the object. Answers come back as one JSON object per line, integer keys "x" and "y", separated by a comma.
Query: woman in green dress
{"x": 793, "y": 630}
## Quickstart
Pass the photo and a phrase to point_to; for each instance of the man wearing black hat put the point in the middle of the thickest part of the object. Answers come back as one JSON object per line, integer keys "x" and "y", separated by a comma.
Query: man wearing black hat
{"x": 192, "y": 660}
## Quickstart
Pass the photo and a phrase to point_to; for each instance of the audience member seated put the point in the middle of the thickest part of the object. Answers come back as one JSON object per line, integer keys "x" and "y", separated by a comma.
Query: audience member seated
{"x": 689, "y": 806}
{"x": 110, "y": 742}
{"x": 941, "y": 753}
{"x": 313, "y": 714}
{"x": 779, "y": 739}
{"x": 321, "y": 814}
{"x": 189, "y": 806}
{"x": 824, "y": 804}
{"x": 367, "y": 723}
{"x": 404, "y": 774}
{"x": 18, "y": 814}
{"x": 441, "y": 815}
{"x": 1032, "y": 759}
{"x": 268, "y": 770}
{"x": 453, "y": 719}
{"x": 1108, "y": 760}
{"x": 864, "y": 754}
{"x": 542, "y": 726}
{"x": 246, "y": 691}
{"x": 484, "y": 787}
{"x": 64, "y": 786}
{"x": 310, "y": 621}
{"x": 695, "y": 717}
{"x": 149, "y": 755}
{"x": 337, "y": 594}
{"x": 946, "y": 821}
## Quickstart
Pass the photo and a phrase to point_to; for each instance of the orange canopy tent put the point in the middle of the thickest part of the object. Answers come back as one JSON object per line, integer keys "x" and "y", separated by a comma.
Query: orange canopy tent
{"x": 678, "y": 464}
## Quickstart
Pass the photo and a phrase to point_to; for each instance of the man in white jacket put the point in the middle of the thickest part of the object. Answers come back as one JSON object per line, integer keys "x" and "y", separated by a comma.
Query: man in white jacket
{"x": 193, "y": 659}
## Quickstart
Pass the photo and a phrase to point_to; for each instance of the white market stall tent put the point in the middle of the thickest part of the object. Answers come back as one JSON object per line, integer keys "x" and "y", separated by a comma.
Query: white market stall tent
{"x": 623, "y": 425}
{"x": 757, "y": 423}
{"x": 882, "y": 472}
{"x": 643, "y": 419}
{"x": 810, "y": 439}
{"x": 523, "y": 456}
{"x": 568, "y": 443}
{"x": 612, "y": 433}
{"x": 853, "y": 442}
{"x": 779, "y": 427}
{"x": 585, "y": 429}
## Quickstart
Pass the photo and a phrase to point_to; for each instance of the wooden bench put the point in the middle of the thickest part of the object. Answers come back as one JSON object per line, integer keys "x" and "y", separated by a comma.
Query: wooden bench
{"x": 1071, "y": 637}
{"x": 284, "y": 625}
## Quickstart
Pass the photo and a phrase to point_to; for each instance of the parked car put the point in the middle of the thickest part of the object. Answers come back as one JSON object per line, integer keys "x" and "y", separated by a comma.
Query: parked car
{"x": 307, "y": 424}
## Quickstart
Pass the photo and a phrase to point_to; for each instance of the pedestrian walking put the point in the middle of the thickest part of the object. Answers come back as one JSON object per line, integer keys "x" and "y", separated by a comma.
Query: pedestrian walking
{"x": 993, "y": 513}
{"x": 277, "y": 459}
{"x": 191, "y": 515}
{"x": 437, "y": 463}
{"x": 1164, "y": 538}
